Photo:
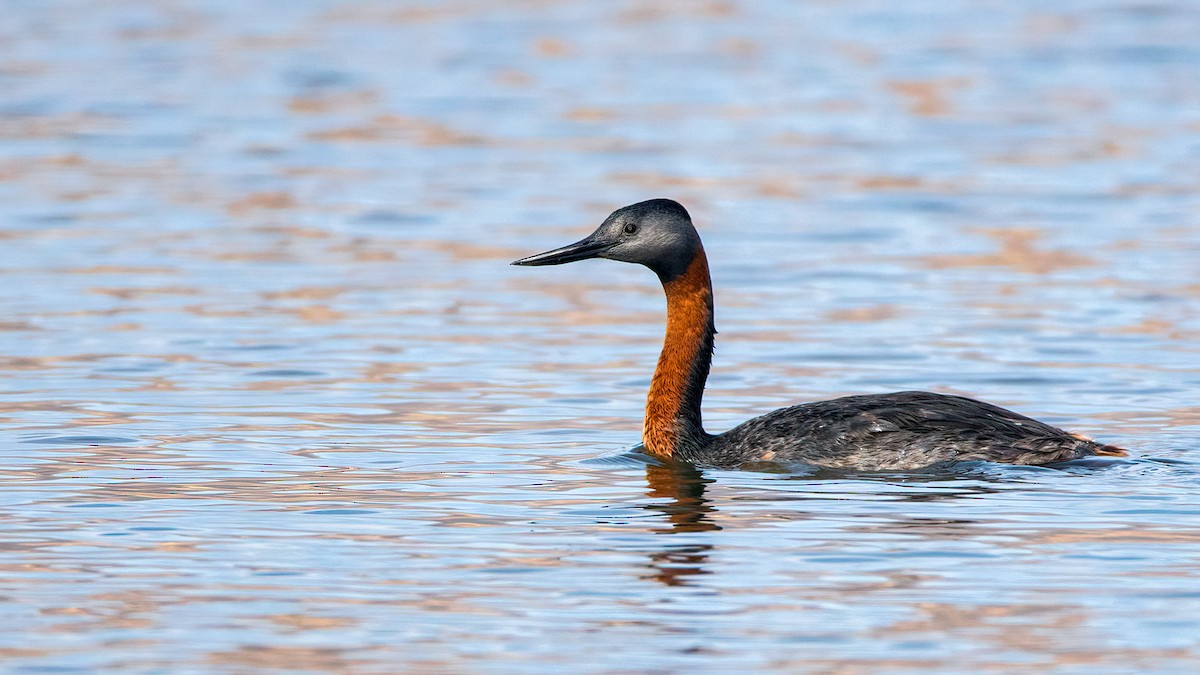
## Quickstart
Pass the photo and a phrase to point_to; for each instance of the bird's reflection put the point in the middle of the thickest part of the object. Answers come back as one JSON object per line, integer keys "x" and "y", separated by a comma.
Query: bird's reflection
{"x": 687, "y": 511}
{"x": 678, "y": 489}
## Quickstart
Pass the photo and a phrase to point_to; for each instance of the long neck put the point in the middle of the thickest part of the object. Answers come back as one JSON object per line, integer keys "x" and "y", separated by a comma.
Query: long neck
{"x": 673, "y": 426}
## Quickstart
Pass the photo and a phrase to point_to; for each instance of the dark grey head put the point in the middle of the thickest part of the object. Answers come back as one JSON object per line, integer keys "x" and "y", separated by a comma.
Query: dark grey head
{"x": 656, "y": 233}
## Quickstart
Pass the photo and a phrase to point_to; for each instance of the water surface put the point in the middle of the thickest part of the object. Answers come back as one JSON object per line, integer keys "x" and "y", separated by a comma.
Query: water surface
{"x": 273, "y": 399}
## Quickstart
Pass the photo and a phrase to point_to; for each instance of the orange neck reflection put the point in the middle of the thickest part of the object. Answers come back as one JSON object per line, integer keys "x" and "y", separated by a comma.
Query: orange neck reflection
{"x": 687, "y": 511}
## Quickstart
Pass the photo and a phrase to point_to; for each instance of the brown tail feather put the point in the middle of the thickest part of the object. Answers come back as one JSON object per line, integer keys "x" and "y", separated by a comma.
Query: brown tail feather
{"x": 1102, "y": 449}
{"x": 1111, "y": 451}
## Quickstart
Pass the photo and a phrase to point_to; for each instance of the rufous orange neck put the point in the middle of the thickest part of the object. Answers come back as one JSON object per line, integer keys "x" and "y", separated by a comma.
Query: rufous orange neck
{"x": 673, "y": 423}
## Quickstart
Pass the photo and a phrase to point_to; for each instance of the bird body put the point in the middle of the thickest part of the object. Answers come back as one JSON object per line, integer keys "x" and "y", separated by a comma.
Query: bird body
{"x": 899, "y": 431}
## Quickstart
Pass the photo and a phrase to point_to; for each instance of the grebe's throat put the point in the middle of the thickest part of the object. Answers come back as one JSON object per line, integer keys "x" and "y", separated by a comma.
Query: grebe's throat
{"x": 673, "y": 426}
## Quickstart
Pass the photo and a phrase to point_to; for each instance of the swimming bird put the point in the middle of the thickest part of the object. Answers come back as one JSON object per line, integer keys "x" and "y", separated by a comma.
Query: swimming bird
{"x": 903, "y": 430}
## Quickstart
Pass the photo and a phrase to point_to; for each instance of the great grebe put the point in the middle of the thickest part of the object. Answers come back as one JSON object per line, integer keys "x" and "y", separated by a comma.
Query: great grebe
{"x": 904, "y": 430}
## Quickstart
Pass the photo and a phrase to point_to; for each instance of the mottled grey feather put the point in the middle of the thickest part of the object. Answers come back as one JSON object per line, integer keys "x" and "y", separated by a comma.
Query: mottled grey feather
{"x": 904, "y": 430}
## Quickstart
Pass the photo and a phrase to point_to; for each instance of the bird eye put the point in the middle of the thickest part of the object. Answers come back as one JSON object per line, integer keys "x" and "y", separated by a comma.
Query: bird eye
{"x": 630, "y": 228}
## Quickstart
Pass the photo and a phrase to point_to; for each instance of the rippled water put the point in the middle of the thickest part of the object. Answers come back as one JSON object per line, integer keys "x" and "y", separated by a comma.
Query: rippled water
{"x": 273, "y": 398}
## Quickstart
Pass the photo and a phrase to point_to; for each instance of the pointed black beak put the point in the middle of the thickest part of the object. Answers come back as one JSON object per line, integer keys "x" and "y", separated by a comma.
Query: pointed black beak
{"x": 590, "y": 247}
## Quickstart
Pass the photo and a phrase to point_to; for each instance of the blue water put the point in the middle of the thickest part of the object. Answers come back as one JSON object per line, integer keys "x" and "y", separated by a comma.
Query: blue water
{"x": 273, "y": 399}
